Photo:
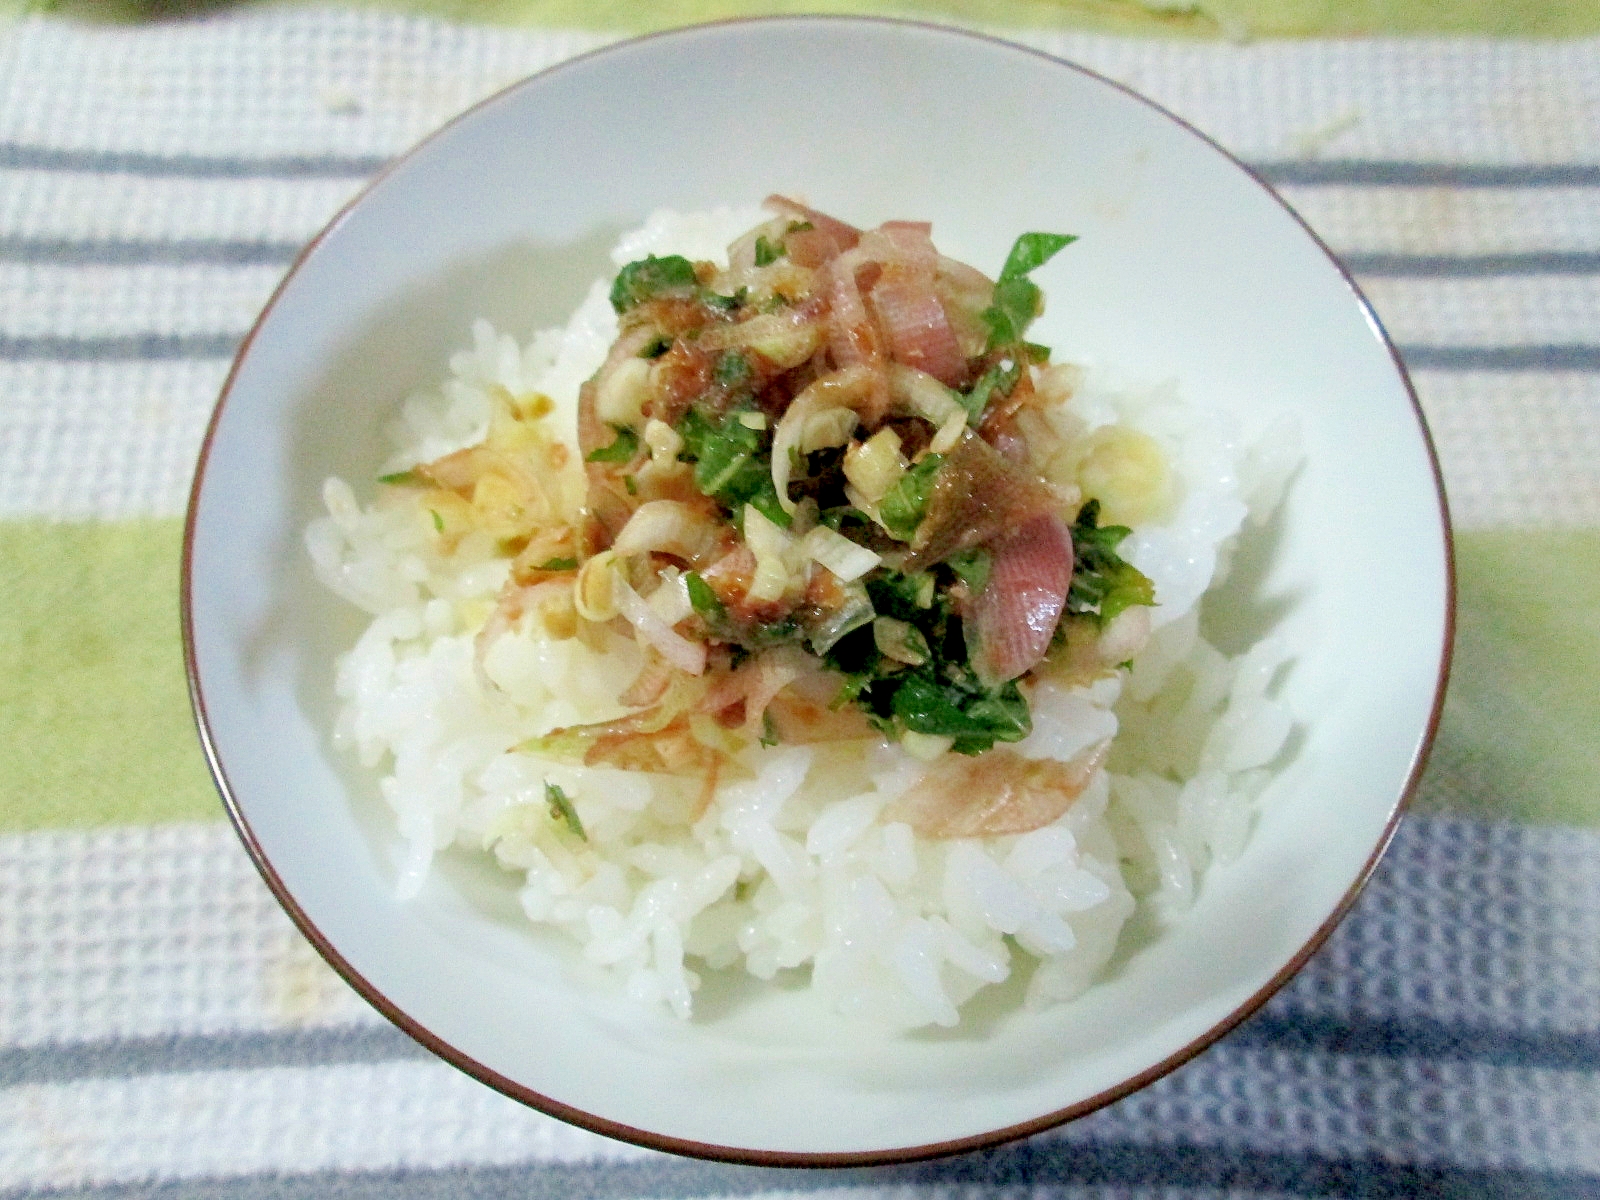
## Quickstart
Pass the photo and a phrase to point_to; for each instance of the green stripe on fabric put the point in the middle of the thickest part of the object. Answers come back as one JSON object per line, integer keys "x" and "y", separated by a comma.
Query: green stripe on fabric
{"x": 1234, "y": 19}
{"x": 97, "y": 728}
{"x": 1520, "y": 737}
{"x": 93, "y": 705}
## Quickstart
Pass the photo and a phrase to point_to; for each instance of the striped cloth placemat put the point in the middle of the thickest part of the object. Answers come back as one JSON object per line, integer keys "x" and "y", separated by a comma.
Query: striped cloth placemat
{"x": 165, "y": 1032}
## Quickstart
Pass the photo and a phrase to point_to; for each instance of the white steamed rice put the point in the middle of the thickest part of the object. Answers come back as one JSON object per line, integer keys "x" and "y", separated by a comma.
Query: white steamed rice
{"x": 793, "y": 868}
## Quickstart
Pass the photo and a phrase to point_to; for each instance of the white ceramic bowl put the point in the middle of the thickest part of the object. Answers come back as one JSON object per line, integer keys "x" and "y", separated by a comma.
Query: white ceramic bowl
{"x": 1188, "y": 268}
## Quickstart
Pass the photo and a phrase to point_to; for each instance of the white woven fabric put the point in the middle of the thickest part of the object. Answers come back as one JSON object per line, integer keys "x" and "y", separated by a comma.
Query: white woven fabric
{"x": 1435, "y": 99}
{"x": 114, "y": 937}
{"x": 1504, "y": 311}
{"x": 160, "y": 1020}
{"x": 299, "y": 82}
{"x": 426, "y": 1114}
{"x": 140, "y": 932}
{"x": 127, "y": 227}
{"x": 103, "y": 439}
{"x": 94, "y": 301}
{"x": 294, "y": 82}
{"x": 151, "y": 932}
{"x": 1450, "y": 221}
{"x": 84, "y": 207}
{"x": 1518, "y": 448}
{"x": 409, "y": 1114}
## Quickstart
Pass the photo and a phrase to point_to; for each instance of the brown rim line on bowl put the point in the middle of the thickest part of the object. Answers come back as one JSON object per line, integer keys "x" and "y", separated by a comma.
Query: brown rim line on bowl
{"x": 227, "y": 697}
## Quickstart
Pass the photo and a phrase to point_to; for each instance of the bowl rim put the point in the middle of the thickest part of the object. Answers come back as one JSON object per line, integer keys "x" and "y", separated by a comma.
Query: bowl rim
{"x": 649, "y": 1139}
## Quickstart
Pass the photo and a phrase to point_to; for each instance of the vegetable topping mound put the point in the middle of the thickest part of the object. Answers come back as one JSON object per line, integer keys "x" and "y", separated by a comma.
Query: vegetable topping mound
{"x": 825, "y": 494}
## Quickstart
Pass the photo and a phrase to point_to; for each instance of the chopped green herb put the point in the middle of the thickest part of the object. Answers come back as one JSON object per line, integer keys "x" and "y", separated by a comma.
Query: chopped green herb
{"x": 438, "y": 521}
{"x": 903, "y": 596}
{"x": 900, "y": 640}
{"x": 731, "y": 462}
{"x": 975, "y": 718}
{"x": 558, "y": 564}
{"x": 998, "y": 380}
{"x": 561, "y": 809}
{"x": 895, "y": 638}
{"x": 939, "y": 695}
{"x": 1103, "y": 584}
{"x": 702, "y": 599}
{"x": 838, "y": 517}
{"x": 620, "y": 451}
{"x": 1003, "y": 713}
{"x": 629, "y": 483}
{"x": 402, "y": 479}
{"x": 1031, "y": 251}
{"x": 1016, "y": 303}
{"x": 850, "y": 690}
{"x": 1017, "y": 299}
{"x": 972, "y": 568}
{"x": 723, "y": 454}
{"x": 904, "y": 504}
{"x": 725, "y": 303}
{"x": 651, "y": 277}
{"x": 733, "y": 372}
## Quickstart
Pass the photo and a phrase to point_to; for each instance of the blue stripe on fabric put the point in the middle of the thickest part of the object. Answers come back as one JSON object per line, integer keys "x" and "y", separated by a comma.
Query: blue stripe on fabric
{"x": 65, "y": 252}
{"x": 56, "y": 1062}
{"x": 163, "y": 347}
{"x": 23, "y": 157}
{"x": 1347, "y": 172}
{"x": 1420, "y": 1039}
{"x": 1580, "y": 358}
{"x": 135, "y": 347}
{"x": 1472, "y": 266}
{"x": 1344, "y": 172}
{"x": 69, "y": 252}
{"x": 1036, "y": 1168}
{"x": 1423, "y": 1039}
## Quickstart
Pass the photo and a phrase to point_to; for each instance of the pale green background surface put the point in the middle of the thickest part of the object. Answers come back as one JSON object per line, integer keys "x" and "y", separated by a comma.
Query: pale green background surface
{"x": 1521, "y": 731}
{"x": 93, "y": 705}
{"x": 98, "y": 727}
{"x": 1195, "y": 18}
